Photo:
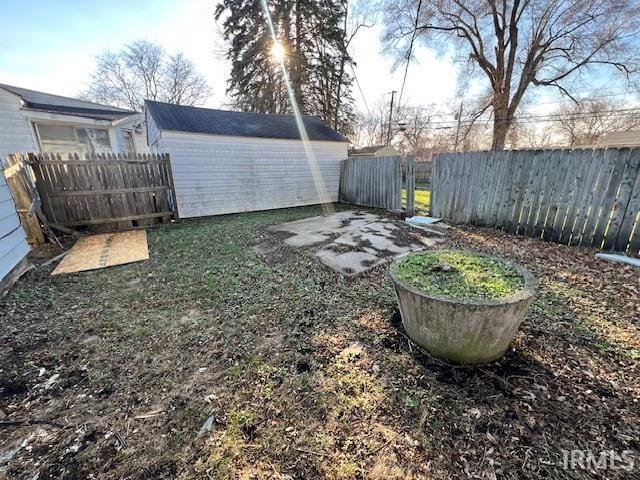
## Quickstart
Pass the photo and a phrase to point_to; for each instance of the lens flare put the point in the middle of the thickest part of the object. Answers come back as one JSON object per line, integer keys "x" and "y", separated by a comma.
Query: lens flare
{"x": 321, "y": 190}
{"x": 278, "y": 53}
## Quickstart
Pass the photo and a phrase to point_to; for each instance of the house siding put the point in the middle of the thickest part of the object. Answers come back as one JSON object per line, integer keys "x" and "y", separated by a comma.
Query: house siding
{"x": 16, "y": 134}
{"x": 217, "y": 174}
{"x": 153, "y": 134}
{"x": 139, "y": 139}
{"x": 629, "y": 138}
{"x": 13, "y": 242}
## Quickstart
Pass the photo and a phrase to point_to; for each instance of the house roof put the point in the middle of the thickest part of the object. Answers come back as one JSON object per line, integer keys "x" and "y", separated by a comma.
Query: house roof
{"x": 366, "y": 150}
{"x": 181, "y": 118}
{"x": 48, "y": 102}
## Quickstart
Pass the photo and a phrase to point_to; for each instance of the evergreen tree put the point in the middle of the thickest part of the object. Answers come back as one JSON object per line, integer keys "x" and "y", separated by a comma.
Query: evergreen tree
{"x": 313, "y": 35}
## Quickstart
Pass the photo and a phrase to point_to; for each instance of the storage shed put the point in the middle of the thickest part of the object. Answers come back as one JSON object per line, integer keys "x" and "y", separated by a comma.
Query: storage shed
{"x": 226, "y": 162}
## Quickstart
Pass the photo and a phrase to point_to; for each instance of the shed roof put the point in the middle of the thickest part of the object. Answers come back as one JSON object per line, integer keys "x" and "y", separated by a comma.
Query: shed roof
{"x": 210, "y": 121}
{"x": 366, "y": 150}
{"x": 48, "y": 102}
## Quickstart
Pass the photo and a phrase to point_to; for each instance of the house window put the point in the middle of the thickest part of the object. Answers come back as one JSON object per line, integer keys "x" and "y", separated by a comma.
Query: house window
{"x": 67, "y": 139}
{"x": 129, "y": 142}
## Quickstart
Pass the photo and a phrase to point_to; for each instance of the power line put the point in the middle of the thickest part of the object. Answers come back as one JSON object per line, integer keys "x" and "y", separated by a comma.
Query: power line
{"x": 355, "y": 76}
{"x": 410, "y": 52}
{"x": 549, "y": 117}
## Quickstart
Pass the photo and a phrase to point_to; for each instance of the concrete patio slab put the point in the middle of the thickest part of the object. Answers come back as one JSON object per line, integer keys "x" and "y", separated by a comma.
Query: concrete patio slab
{"x": 353, "y": 242}
{"x": 316, "y": 230}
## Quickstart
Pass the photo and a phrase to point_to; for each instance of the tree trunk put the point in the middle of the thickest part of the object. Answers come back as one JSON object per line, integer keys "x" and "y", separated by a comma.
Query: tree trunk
{"x": 501, "y": 121}
{"x": 499, "y": 136}
{"x": 297, "y": 78}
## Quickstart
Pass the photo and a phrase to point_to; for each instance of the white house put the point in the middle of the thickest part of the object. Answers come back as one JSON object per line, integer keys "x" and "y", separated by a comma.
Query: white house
{"x": 628, "y": 138}
{"x": 33, "y": 121}
{"x": 227, "y": 162}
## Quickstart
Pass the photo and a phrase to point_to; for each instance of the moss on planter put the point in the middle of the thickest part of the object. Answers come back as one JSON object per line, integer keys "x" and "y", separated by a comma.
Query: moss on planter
{"x": 459, "y": 275}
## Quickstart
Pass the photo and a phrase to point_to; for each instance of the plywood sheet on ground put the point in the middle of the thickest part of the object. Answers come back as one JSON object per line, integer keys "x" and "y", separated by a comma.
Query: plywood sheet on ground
{"x": 105, "y": 250}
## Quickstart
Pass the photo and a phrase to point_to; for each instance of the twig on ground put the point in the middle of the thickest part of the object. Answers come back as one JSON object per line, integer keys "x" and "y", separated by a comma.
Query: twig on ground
{"x": 26, "y": 423}
{"x": 311, "y": 452}
{"x": 53, "y": 260}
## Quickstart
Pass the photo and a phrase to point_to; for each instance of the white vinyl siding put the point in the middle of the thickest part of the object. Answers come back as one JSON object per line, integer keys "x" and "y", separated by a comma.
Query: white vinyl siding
{"x": 153, "y": 134}
{"x": 139, "y": 139}
{"x": 16, "y": 134}
{"x": 13, "y": 242}
{"x": 217, "y": 174}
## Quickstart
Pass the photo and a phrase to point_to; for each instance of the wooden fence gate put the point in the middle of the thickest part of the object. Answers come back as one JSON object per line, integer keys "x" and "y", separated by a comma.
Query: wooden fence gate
{"x": 576, "y": 197}
{"x": 371, "y": 182}
{"x": 122, "y": 190}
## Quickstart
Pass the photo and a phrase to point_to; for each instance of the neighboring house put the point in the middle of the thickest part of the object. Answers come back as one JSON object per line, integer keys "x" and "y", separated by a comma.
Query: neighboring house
{"x": 13, "y": 242}
{"x": 629, "y": 138}
{"x": 226, "y": 162}
{"x": 374, "y": 151}
{"x": 33, "y": 121}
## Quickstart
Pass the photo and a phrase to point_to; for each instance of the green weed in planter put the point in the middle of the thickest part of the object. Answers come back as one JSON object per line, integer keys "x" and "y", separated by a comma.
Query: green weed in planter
{"x": 459, "y": 275}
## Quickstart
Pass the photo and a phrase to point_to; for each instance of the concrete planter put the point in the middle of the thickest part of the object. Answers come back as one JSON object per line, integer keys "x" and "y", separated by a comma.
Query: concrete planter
{"x": 463, "y": 331}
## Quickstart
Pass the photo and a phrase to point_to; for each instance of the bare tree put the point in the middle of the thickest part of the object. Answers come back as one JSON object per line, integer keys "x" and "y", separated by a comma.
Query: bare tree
{"x": 585, "y": 123}
{"x": 414, "y": 138}
{"x": 143, "y": 70}
{"x": 517, "y": 44}
{"x": 371, "y": 127}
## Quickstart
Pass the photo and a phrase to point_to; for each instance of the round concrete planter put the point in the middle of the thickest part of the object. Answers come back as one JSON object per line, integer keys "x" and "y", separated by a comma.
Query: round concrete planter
{"x": 463, "y": 331}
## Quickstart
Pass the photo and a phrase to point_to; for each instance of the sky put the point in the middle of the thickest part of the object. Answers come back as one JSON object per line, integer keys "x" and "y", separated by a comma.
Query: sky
{"x": 50, "y": 46}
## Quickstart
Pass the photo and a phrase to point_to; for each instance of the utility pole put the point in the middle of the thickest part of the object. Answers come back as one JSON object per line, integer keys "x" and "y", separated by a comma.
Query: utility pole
{"x": 393, "y": 94}
{"x": 455, "y": 148}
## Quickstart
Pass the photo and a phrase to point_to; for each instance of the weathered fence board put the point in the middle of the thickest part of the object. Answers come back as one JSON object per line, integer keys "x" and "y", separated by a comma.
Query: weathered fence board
{"x": 411, "y": 187}
{"x": 119, "y": 190}
{"x": 576, "y": 197}
{"x": 371, "y": 182}
{"x": 422, "y": 170}
{"x": 23, "y": 192}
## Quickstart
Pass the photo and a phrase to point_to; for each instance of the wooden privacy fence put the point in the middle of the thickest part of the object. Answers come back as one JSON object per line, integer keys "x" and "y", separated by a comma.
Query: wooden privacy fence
{"x": 125, "y": 190}
{"x": 371, "y": 182}
{"x": 422, "y": 171}
{"x": 574, "y": 197}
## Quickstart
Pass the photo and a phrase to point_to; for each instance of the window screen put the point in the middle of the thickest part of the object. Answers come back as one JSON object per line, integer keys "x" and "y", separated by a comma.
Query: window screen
{"x": 67, "y": 139}
{"x": 94, "y": 140}
{"x": 57, "y": 138}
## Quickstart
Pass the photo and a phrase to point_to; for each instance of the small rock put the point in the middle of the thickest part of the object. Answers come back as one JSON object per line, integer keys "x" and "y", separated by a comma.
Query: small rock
{"x": 49, "y": 383}
{"x": 91, "y": 339}
{"x": 2, "y": 415}
{"x": 353, "y": 350}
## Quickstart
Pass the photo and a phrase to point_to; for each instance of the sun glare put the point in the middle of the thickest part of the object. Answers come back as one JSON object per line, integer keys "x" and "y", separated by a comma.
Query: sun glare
{"x": 277, "y": 52}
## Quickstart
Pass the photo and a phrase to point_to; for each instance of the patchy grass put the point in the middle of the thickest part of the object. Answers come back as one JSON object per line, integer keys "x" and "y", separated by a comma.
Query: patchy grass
{"x": 459, "y": 275}
{"x": 422, "y": 201}
{"x": 307, "y": 374}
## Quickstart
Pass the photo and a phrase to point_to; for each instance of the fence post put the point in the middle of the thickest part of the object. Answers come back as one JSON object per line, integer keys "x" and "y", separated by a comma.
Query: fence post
{"x": 411, "y": 187}
{"x": 18, "y": 182}
{"x": 167, "y": 159}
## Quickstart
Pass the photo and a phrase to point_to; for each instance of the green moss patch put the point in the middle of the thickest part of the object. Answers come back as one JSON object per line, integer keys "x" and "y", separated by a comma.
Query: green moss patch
{"x": 459, "y": 275}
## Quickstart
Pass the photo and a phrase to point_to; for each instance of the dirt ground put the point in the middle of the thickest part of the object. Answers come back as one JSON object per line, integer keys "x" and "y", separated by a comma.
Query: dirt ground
{"x": 216, "y": 359}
